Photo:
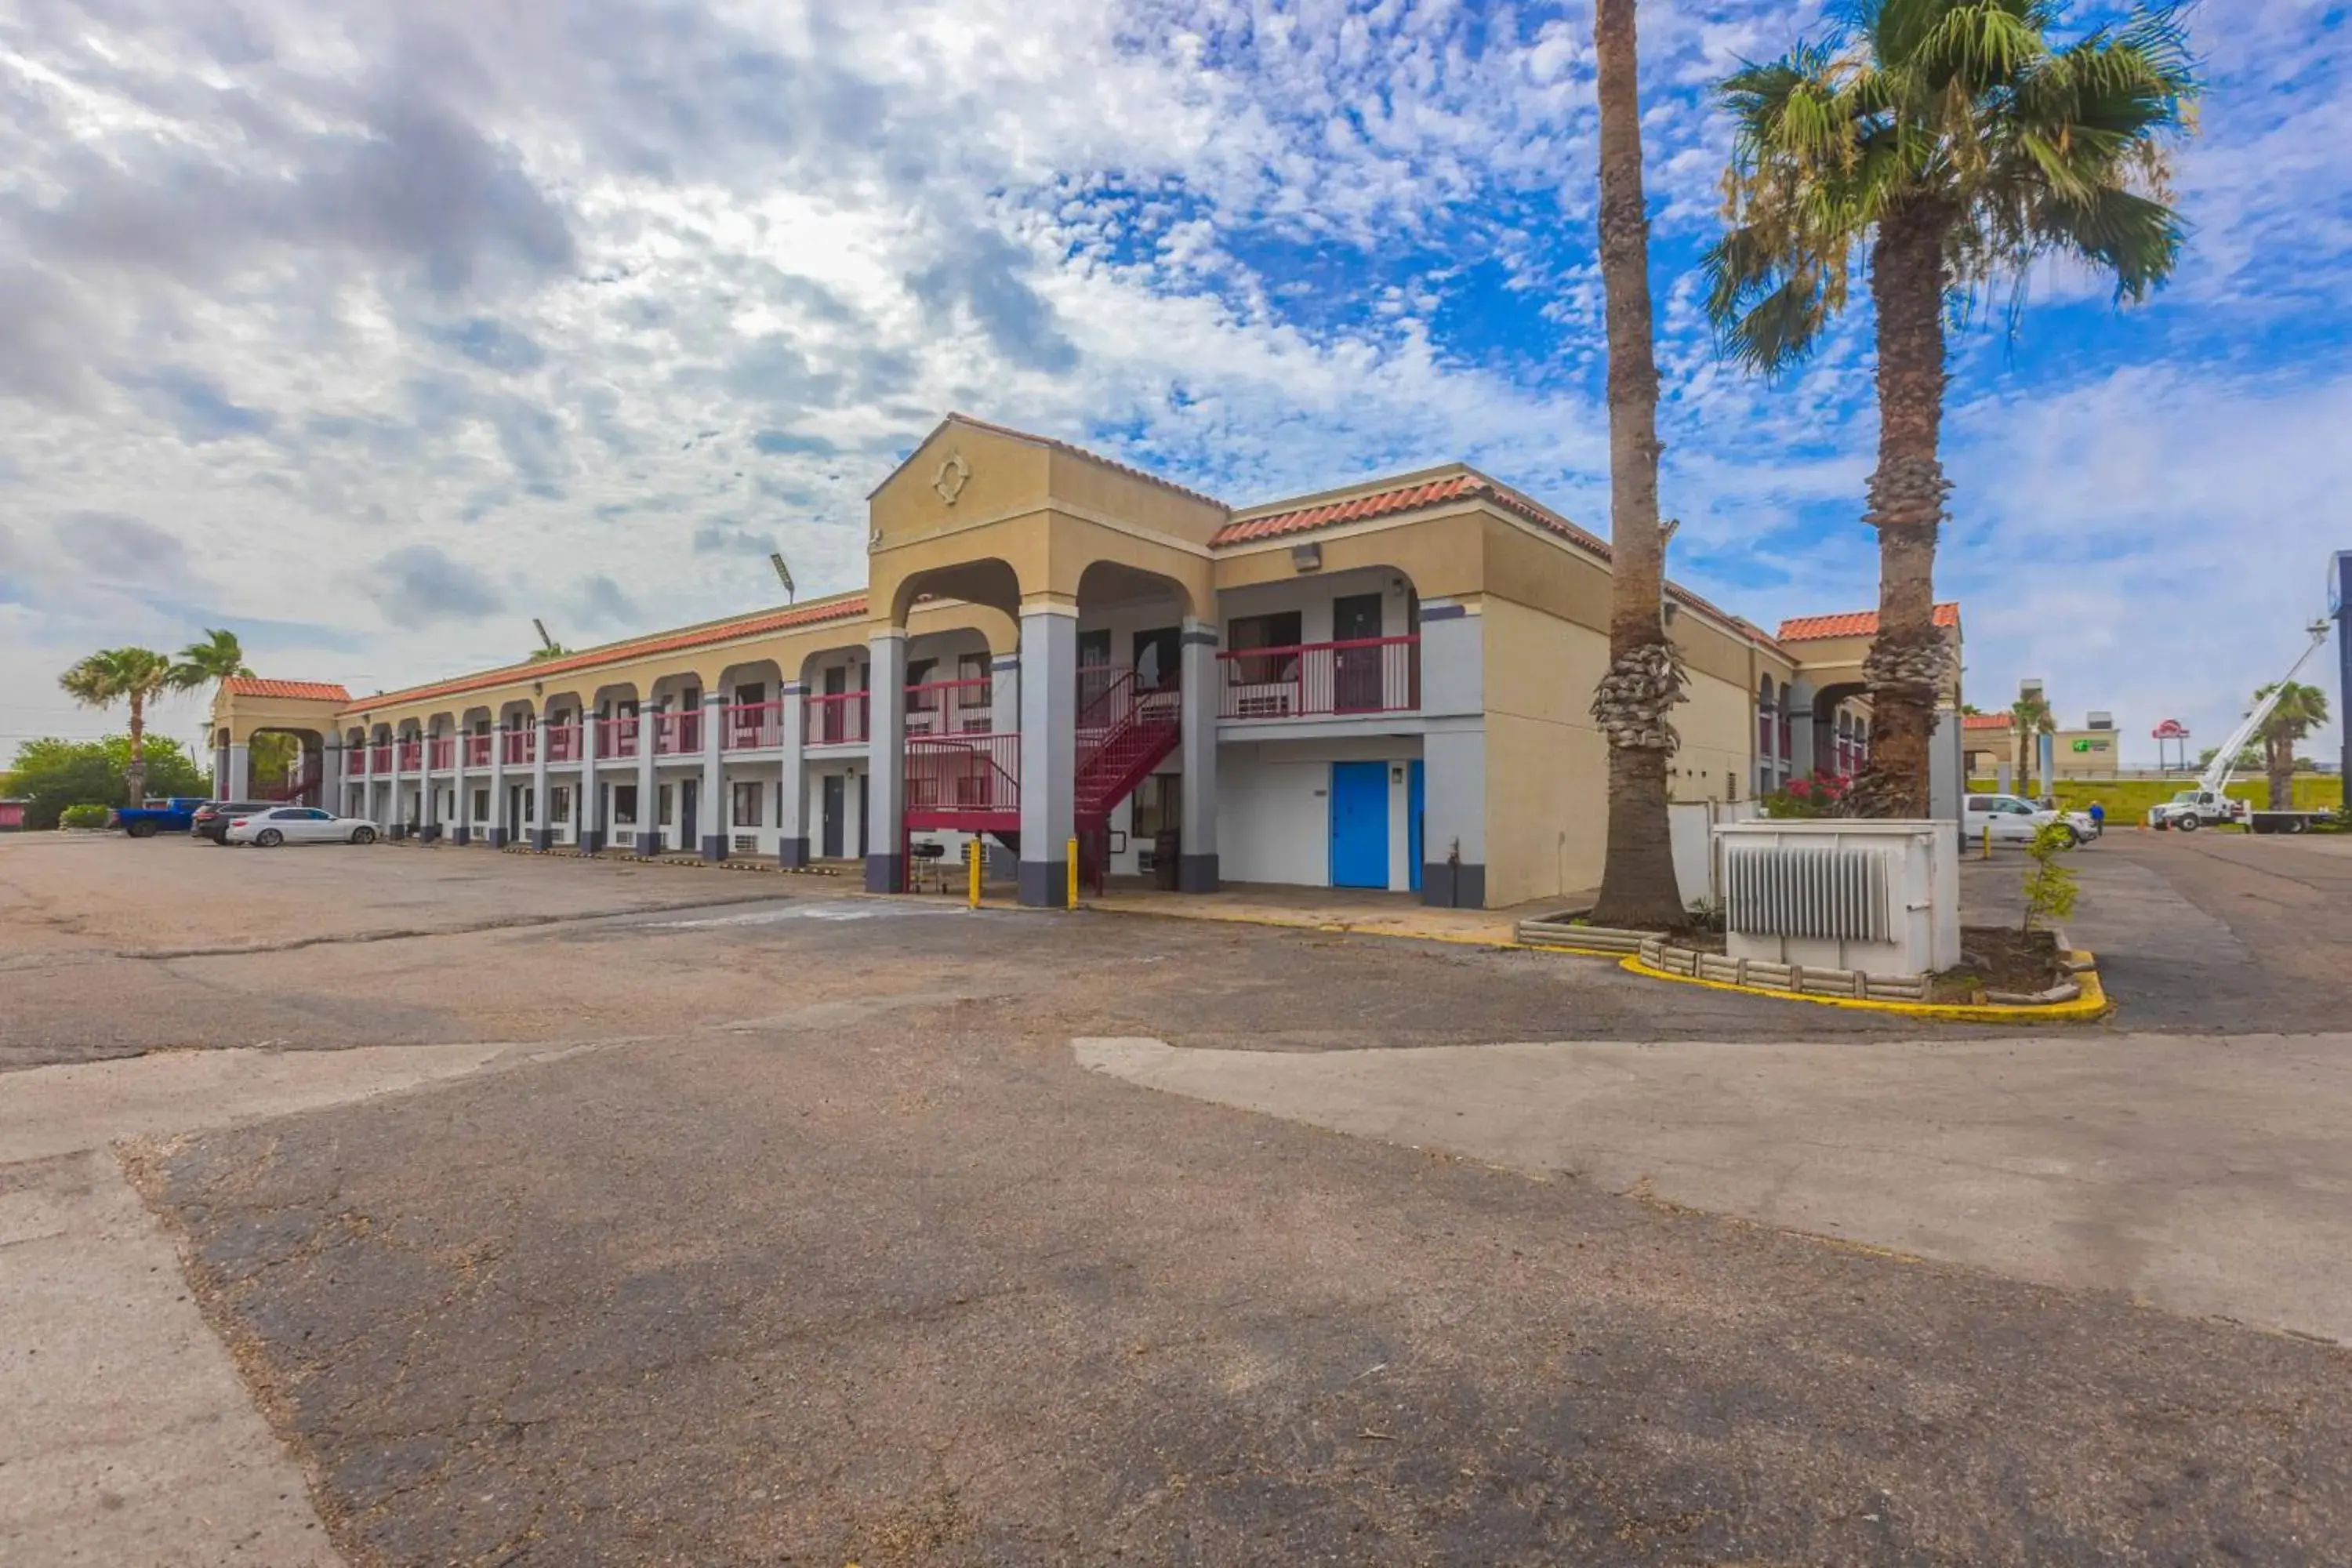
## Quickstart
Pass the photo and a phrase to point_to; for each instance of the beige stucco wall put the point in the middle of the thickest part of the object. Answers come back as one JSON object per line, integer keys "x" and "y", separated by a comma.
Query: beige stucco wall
{"x": 1546, "y": 766}
{"x": 1716, "y": 760}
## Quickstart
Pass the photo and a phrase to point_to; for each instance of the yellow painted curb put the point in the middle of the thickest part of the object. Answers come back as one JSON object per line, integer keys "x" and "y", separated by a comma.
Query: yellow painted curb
{"x": 2088, "y": 1008}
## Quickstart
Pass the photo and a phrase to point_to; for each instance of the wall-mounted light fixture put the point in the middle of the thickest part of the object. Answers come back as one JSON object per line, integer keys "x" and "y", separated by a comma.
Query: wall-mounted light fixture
{"x": 1307, "y": 557}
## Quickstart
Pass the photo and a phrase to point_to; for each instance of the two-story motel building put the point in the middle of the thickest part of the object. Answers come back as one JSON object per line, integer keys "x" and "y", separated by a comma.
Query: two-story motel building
{"x": 1384, "y": 686}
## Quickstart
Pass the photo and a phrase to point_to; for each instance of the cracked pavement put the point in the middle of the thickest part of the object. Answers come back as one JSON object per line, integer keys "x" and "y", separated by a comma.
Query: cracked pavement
{"x": 815, "y": 1243}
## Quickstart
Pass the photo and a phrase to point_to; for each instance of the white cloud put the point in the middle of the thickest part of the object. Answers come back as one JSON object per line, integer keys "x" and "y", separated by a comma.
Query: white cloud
{"x": 693, "y": 279}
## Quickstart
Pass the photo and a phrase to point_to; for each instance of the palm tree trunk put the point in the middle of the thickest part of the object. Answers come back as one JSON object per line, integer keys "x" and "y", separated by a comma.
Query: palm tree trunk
{"x": 1908, "y": 662}
{"x": 135, "y": 775}
{"x": 1645, "y": 676}
{"x": 2279, "y": 756}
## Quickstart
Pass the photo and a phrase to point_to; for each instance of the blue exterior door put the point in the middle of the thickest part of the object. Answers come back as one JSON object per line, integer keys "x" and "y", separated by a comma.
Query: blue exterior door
{"x": 1360, "y": 824}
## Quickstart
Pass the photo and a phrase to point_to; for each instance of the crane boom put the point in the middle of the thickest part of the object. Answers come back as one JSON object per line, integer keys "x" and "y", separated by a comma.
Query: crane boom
{"x": 2217, "y": 777}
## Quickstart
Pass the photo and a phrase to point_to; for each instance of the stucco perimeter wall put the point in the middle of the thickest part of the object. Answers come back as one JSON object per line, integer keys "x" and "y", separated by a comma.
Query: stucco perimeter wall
{"x": 1546, "y": 766}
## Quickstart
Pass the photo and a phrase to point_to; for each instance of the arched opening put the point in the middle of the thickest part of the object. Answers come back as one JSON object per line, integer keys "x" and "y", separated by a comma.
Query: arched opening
{"x": 1833, "y": 727}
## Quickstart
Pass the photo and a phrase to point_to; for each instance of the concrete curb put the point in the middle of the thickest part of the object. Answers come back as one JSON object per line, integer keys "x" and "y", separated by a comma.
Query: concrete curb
{"x": 2088, "y": 1007}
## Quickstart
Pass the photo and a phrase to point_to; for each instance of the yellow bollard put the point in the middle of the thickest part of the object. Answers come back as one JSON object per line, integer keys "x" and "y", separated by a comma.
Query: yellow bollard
{"x": 973, "y": 852}
{"x": 1074, "y": 873}
{"x": 1988, "y": 849}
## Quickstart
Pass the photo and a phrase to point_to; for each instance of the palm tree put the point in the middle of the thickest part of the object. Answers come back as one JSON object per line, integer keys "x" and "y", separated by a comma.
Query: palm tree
{"x": 135, "y": 676}
{"x": 1645, "y": 670}
{"x": 2300, "y": 709}
{"x": 1954, "y": 142}
{"x": 2029, "y": 717}
{"x": 220, "y": 657}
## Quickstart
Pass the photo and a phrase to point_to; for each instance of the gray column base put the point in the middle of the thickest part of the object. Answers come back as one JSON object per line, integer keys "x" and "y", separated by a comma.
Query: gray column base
{"x": 649, "y": 843}
{"x": 591, "y": 842}
{"x": 792, "y": 854}
{"x": 1445, "y": 885}
{"x": 430, "y": 831}
{"x": 461, "y": 837}
{"x": 1196, "y": 873}
{"x": 499, "y": 836}
{"x": 1046, "y": 884}
{"x": 542, "y": 840}
{"x": 714, "y": 846}
{"x": 396, "y": 832}
{"x": 886, "y": 873}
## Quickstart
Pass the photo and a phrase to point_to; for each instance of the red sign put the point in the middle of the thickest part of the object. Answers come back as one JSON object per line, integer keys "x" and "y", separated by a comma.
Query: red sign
{"x": 2171, "y": 729}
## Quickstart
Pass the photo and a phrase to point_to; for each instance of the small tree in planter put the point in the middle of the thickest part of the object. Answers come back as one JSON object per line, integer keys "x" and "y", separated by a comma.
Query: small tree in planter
{"x": 2049, "y": 885}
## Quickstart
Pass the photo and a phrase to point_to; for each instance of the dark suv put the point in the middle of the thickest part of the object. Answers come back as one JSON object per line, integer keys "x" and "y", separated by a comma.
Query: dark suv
{"x": 213, "y": 818}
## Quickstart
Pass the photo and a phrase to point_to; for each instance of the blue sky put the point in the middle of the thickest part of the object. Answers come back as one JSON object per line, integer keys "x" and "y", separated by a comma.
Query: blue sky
{"x": 374, "y": 331}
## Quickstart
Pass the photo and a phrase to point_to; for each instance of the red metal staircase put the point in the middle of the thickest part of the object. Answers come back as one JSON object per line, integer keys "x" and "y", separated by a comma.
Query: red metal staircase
{"x": 1125, "y": 731}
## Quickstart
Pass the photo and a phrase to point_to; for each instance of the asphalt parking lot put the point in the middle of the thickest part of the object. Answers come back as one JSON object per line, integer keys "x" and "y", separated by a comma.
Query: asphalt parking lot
{"x": 805, "y": 1236}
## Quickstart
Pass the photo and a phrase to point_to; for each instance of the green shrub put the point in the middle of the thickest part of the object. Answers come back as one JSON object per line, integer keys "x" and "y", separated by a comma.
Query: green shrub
{"x": 82, "y": 816}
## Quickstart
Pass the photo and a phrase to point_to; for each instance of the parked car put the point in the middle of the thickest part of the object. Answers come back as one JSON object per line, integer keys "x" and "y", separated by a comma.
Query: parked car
{"x": 2013, "y": 820}
{"x": 153, "y": 817}
{"x": 298, "y": 824}
{"x": 211, "y": 819}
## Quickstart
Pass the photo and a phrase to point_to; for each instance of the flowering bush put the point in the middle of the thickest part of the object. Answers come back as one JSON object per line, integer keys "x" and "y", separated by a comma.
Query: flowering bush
{"x": 1821, "y": 796}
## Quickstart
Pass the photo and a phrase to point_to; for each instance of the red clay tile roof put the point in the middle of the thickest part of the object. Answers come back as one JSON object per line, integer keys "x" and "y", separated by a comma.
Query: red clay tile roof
{"x": 613, "y": 653}
{"x": 1852, "y": 623}
{"x": 1469, "y": 484}
{"x": 260, "y": 686}
{"x": 1984, "y": 721}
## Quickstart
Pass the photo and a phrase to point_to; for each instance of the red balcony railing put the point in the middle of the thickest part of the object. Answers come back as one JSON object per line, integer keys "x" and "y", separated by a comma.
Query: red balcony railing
{"x": 951, "y": 707}
{"x": 478, "y": 751}
{"x": 518, "y": 746}
{"x": 677, "y": 734}
{"x": 617, "y": 737}
{"x": 753, "y": 726}
{"x": 952, "y": 779}
{"x": 412, "y": 756}
{"x": 441, "y": 754}
{"x": 563, "y": 742}
{"x": 1371, "y": 675}
{"x": 837, "y": 719}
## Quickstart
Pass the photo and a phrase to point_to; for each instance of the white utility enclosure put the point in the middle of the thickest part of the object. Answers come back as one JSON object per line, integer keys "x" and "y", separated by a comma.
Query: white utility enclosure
{"x": 1880, "y": 896}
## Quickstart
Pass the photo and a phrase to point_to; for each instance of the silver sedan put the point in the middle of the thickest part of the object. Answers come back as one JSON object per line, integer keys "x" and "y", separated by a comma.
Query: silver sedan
{"x": 298, "y": 824}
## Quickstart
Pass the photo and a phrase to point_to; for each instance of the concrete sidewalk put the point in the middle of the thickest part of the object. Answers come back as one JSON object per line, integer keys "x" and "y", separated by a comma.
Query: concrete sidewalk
{"x": 131, "y": 1438}
{"x": 2201, "y": 1175}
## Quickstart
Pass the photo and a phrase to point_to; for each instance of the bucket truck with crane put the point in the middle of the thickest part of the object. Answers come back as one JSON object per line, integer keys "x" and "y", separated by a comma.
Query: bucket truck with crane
{"x": 2209, "y": 805}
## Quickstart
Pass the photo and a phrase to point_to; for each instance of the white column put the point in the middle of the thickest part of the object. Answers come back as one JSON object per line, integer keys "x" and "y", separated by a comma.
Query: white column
{"x": 240, "y": 773}
{"x": 649, "y": 829}
{"x": 791, "y": 795}
{"x": 1049, "y": 752}
{"x": 886, "y": 762}
{"x": 1454, "y": 756}
{"x": 1196, "y": 867}
{"x": 711, "y": 820}
{"x": 502, "y": 832}
{"x": 542, "y": 832}
{"x": 592, "y": 792}
{"x": 428, "y": 795}
{"x": 461, "y": 815}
